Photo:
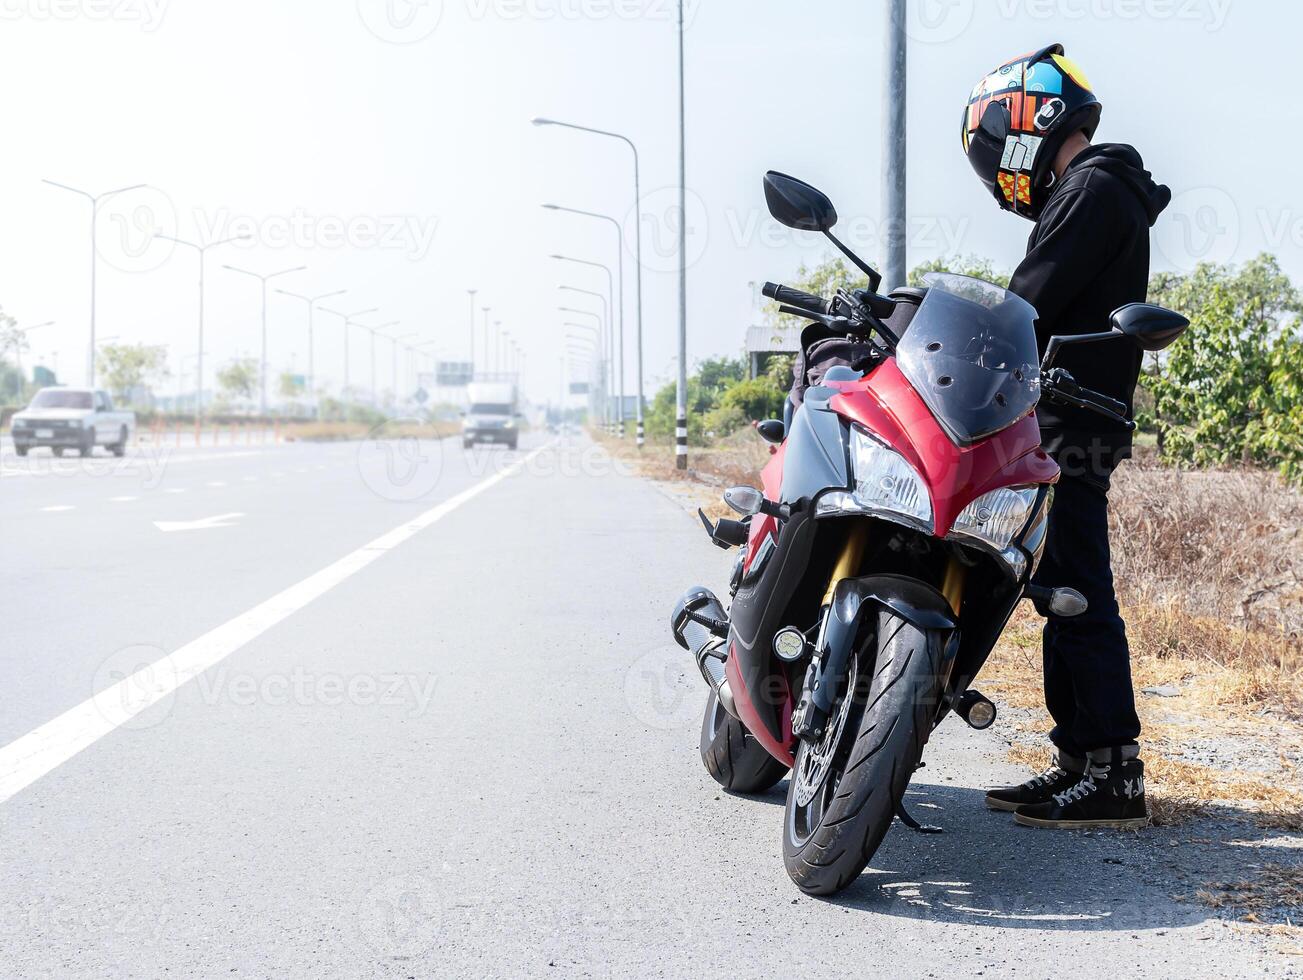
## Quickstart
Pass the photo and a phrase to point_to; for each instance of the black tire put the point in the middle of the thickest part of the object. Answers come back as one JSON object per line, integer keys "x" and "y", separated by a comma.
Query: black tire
{"x": 119, "y": 448}
{"x": 732, "y": 755}
{"x": 829, "y": 841}
{"x": 21, "y": 450}
{"x": 468, "y": 444}
{"x": 87, "y": 446}
{"x": 512, "y": 445}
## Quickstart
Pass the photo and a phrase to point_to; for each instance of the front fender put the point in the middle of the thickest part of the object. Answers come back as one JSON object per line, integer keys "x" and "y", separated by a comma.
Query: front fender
{"x": 855, "y": 599}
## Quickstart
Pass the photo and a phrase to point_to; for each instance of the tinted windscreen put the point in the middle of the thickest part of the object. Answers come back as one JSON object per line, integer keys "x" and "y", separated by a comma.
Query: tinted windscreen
{"x": 52, "y": 398}
{"x": 486, "y": 408}
{"x": 970, "y": 353}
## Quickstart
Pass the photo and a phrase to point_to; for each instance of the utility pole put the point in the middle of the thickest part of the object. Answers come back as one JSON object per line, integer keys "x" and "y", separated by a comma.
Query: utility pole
{"x": 681, "y": 399}
{"x": 893, "y": 152}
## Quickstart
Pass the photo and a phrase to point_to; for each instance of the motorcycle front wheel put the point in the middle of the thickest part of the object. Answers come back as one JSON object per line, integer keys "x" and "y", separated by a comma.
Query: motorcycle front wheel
{"x": 846, "y": 786}
{"x": 732, "y": 755}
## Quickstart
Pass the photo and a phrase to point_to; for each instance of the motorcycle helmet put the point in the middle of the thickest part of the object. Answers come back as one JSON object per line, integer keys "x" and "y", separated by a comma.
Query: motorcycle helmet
{"x": 1017, "y": 118}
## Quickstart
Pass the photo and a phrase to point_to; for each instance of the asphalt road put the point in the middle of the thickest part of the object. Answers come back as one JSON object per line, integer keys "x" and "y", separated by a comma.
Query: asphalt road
{"x": 439, "y": 728}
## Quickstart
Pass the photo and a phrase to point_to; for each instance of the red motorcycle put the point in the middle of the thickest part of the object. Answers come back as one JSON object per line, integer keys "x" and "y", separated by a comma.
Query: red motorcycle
{"x": 899, "y": 523}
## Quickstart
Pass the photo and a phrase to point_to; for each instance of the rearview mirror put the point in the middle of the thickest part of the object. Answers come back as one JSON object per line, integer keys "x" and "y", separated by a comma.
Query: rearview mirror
{"x": 796, "y": 204}
{"x": 1150, "y": 326}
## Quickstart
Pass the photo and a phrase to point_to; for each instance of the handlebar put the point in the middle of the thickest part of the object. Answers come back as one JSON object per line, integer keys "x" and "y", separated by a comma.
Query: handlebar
{"x": 1058, "y": 385}
{"x": 796, "y": 297}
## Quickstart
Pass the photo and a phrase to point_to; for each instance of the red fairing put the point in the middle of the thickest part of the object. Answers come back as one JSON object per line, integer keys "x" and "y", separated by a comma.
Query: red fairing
{"x": 886, "y": 404}
{"x": 782, "y": 751}
{"x": 762, "y": 525}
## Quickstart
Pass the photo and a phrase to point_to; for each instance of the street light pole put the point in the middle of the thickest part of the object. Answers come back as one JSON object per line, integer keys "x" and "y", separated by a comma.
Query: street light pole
{"x": 619, "y": 245}
{"x": 312, "y": 302}
{"x": 681, "y": 392}
{"x": 201, "y": 251}
{"x": 894, "y": 149}
{"x": 348, "y": 319}
{"x": 94, "y": 257}
{"x": 472, "y": 293}
{"x": 608, "y": 366}
{"x": 262, "y": 369}
{"x": 637, "y": 237}
{"x": 485, "y": 310}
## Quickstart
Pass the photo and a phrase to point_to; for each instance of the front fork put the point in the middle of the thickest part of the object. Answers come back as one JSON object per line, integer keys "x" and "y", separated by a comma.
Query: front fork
{"x": 838, "y": 621}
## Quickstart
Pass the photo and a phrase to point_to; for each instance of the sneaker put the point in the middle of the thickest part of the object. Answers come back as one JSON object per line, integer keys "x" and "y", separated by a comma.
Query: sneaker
{"x": 1064, "y": 771}
{"x": 1111, "y": 794}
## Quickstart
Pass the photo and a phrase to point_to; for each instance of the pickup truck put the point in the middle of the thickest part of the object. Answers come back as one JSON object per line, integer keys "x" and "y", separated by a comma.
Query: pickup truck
{"x": 72, "y": 418}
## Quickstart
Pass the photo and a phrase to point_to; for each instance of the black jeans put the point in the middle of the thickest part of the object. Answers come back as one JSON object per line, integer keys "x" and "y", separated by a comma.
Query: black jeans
{"x": 1087, "y": 662}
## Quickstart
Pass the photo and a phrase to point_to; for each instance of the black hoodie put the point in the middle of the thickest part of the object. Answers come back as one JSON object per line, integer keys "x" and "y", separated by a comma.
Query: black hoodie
{"x": 1088, "y": 255}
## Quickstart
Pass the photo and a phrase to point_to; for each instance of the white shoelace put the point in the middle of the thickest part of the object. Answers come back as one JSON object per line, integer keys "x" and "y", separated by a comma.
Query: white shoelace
{"x": 1084, "y": 788}
{"x": 1048, "y": 776}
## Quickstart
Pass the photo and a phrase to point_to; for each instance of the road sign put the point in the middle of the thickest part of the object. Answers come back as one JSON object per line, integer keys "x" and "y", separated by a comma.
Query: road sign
{"x": 578, "y": 387}
{"x": 454, "y": 374}
{"x": 421, "y": 397}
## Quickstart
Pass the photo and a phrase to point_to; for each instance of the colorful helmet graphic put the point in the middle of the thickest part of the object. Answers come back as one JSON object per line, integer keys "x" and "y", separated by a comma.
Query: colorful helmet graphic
{"x": 1017, "y": 118}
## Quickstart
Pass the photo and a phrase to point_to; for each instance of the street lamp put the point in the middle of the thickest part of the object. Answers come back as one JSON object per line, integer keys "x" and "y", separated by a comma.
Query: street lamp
{"x": 619, "y": 248}
{"x": 348, "y": 319}
{"x": 375, "y": 391}
{"x": 262, "y": 371}
{"x": 394, "y": 341}
{"x": 610, "y": 361}
{"x": 312, "y": 302}
{"x": 18, "y": 353}
{"x": 637, "y": 205}
{"x": 472, "y": 293}
{"x": 94, "y": 259}
{"x": 201, "y": 251}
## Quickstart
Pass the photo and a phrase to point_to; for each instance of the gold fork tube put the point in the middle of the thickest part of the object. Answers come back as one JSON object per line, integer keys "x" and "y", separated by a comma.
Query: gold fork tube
{"x": 952, "y": 586}
{"x": 849, "y": 562}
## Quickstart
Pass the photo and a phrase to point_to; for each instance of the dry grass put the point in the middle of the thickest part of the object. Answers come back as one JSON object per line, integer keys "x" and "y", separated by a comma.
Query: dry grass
{"x": 1276, "y": 887}
{"x": 1209, "y": 569}
{"x": 343, "y": 431}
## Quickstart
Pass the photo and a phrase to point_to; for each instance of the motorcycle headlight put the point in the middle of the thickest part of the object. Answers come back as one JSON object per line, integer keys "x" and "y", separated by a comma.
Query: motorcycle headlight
{"x": 994, "y": 518}
{"x": 885, "y": 485}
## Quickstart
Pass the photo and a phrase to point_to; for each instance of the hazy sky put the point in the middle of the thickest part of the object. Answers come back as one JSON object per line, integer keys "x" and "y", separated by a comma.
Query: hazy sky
{"x": 386, "y": 144}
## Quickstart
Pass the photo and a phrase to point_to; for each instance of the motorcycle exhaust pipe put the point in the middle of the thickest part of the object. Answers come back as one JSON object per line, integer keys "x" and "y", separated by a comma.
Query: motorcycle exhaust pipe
{"x": 700, "y": 626}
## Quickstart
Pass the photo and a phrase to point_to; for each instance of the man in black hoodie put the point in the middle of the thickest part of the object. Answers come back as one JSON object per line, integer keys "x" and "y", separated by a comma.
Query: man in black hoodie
{"x": 1027, "y": 132}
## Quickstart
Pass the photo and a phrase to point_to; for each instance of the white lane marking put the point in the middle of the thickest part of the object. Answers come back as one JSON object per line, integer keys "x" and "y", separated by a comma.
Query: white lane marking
{"x": 57, "y": 508}
{"x": 250, "y": 479}
{"x": 129, "y": 466}
{"x": 174, "y": 490}
{"x": 122, "y": 500}
{"x": 215, "y": 483}
{"x": 28, "y": 758}
{"x": 203, "y": 523}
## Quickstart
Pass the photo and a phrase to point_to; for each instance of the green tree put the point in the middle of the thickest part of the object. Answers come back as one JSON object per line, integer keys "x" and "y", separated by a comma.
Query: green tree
{"x": 1229, "y": 391}
{"x": 238, "y": 378}
{"x": 127, "y": 368}
{"x": 960, "y": 265}
{"x": 12, "y": 342}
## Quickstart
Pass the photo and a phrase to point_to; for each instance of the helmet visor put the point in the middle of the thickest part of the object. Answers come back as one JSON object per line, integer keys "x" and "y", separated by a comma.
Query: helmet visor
{"x": 987, "y": 142}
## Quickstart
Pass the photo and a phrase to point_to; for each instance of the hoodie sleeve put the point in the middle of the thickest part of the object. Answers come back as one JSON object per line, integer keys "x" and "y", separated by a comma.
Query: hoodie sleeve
{"x": 1069, "y": 248}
